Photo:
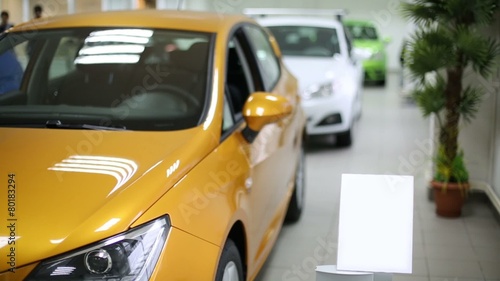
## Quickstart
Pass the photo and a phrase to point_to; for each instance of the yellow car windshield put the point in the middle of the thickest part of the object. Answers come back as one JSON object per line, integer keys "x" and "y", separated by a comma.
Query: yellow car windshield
{"x": 121, "y": 78}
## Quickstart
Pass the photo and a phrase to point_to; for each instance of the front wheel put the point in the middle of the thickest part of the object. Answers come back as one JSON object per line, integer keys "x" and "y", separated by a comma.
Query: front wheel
{"x": 297, "y": 201}
{"x": 230, "y": 267}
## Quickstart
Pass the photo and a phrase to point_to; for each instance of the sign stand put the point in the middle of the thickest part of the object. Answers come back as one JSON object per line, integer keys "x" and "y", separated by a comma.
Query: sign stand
{"x": 330, "y": 272}
{"x": 375, "y": 229}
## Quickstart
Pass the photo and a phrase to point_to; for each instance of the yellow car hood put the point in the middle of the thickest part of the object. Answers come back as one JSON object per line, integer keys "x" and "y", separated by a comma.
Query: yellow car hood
{"x": 75, "y": 187}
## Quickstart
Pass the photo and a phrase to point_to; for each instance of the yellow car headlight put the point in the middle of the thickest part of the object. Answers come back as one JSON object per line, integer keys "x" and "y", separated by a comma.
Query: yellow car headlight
{"x": 128, "y": 256}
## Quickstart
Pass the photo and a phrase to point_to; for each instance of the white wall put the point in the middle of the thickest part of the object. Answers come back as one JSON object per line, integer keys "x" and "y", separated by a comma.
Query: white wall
{"x": 198, "y": 5}
{"x": 495, "y": 146}
{"x": 477, "y": 137}
{"x": 170, "y": 4}
{"x": 384, "y": 13}
{"x": 118, "y": 5}
{"x": 481, "y": 139}
{"x": 496, "y": 149}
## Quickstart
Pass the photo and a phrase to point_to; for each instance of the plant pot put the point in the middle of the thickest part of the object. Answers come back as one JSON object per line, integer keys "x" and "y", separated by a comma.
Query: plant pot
{"x": 449, "y": 198}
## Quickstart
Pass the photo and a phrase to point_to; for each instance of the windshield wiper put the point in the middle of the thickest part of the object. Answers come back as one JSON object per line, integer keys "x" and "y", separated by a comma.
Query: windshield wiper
{"x": 57, "y": 124}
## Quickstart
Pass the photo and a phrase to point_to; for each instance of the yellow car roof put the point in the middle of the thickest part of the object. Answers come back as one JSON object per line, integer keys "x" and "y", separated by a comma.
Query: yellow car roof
{"x": 168, "y": 19}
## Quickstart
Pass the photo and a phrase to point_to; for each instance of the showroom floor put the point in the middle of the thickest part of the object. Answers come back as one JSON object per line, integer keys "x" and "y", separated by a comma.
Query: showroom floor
{"x": 391, "y": 138}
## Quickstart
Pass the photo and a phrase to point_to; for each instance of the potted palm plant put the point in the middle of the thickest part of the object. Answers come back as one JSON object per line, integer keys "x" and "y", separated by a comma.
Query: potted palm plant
{"x": 446, "y": 43}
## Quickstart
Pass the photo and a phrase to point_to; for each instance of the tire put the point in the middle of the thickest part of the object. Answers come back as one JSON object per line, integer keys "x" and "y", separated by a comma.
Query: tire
{"x": 359, "y": 112}
{"x": 344, "y": 139}
{"x": 230, "y": 267}
{"x": 296, "y": 204}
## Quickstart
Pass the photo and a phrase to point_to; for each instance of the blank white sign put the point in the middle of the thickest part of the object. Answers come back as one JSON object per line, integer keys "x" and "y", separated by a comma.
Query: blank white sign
{"x": 376, "y": 223}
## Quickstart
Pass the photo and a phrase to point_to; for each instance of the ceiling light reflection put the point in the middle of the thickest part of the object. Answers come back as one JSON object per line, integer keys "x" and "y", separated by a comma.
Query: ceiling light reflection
{"x": 107, "y": 59}
{"x": 57, "y": 241}
{"x": 111, "y": 49}
{"x": 4, "y": 240}
{"x": 108, "y": 225}
{"x": 271, "y": 98}
{"x": 63, "y": 271}
{"x": 126, "y": 32}
{"x": 173, "y": 168}
{"x": 119, "y": 168}
{"x": 114, "y": 240}
{"x": 213, "y": 103}
{"x": 260, "y": 111}
{"x": 117, "y": 39}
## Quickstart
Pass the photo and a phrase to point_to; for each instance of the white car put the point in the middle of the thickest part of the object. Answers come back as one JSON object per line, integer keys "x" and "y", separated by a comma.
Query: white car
{"x": 318, "y": 51}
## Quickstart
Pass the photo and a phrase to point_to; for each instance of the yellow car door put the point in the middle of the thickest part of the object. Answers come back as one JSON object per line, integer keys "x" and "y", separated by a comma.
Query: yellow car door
{"x": 273, "y": 152}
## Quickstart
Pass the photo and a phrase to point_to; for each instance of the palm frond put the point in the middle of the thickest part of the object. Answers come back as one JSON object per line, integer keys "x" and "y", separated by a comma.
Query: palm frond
{"x": 430, "y": 96}
{"x": 451, "y": 12}
{"x": 459, "y": 172}
{"x": 477, "y": 50}
{"x": 484, "y": 11}
{"x": 486, "y": 66}
{"x": 429, "y": 51}
{"x": 469, "y": 103}
{"x": 459, "y": 11}
{"x": 469, "y": 12}
{"x": 423, "y": 12}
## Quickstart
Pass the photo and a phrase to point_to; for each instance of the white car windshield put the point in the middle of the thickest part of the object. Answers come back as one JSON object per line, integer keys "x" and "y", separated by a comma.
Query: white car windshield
{"x": 308, "y": 41}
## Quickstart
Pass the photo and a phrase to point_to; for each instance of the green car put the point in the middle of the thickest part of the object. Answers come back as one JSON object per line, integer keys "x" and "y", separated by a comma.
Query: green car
{"x": 372, "y": 48}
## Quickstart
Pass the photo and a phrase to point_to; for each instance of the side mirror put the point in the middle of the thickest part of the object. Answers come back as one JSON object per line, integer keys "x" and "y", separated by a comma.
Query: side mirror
{"x": 387, "y": 40}
{"x": 261, "y": 109}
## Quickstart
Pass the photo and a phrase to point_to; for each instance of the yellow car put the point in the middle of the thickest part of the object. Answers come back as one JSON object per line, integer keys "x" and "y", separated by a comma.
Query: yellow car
{"x": 145, "y": 145}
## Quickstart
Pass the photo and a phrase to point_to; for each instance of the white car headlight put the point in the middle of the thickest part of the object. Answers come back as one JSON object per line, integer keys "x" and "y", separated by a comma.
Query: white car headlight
{"x": 125, "y": 257}
{"x": 318, "y": 91}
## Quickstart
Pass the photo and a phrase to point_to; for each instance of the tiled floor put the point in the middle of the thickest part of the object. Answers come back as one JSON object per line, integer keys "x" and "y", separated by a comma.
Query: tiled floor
{"x": 391, "y": 139}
